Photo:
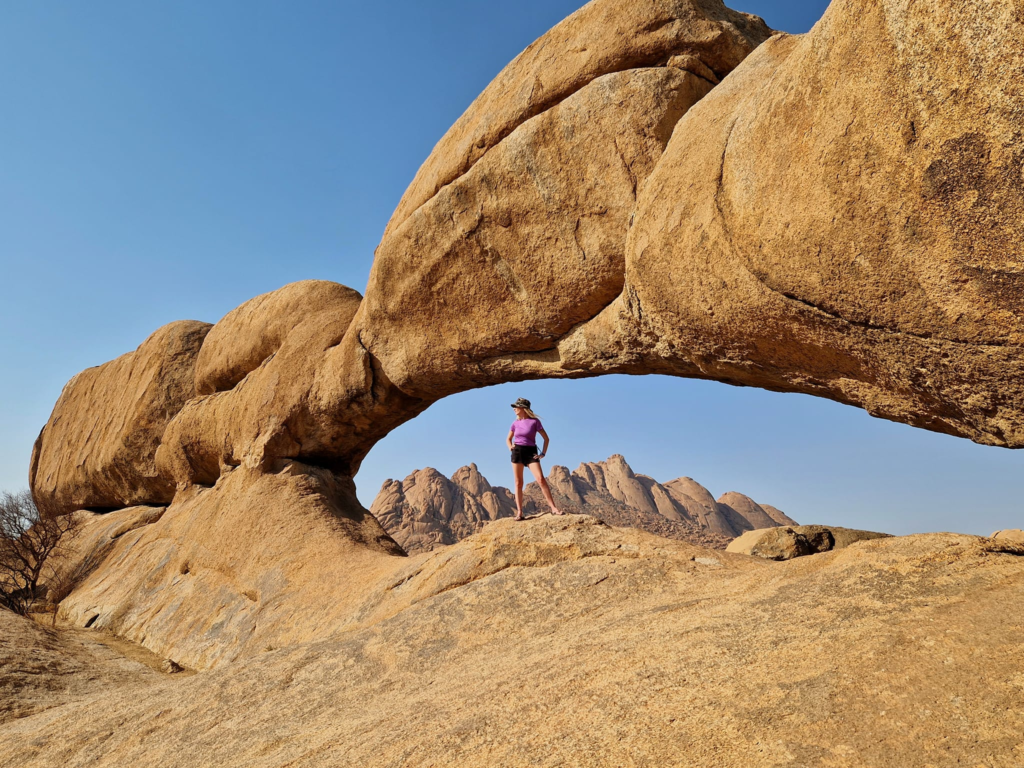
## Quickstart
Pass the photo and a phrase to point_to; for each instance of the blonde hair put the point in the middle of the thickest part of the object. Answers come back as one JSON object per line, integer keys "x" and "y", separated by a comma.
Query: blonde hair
{"x": 530, "y": 414}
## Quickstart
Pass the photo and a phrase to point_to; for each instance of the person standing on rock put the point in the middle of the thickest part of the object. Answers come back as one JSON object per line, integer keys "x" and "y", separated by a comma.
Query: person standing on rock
{"x": 522, "y": 442}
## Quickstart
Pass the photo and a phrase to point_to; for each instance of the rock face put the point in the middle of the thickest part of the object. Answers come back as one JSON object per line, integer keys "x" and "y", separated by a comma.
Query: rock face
{"x": 249, "y": 335}
{"x": 787, "y": 542}
{"x": 602, "y": 38}
{"x": 99, "y": 447}
{"x": 259, "y": 561}
{"x": 426, "y": 510}
{"x": 851, "y": 236}
{"x": 870, "y": 655}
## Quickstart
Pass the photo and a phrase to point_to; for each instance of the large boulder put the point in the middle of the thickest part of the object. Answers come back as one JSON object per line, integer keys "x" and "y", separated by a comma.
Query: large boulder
{"x": 528, "y": 243}
{"x": 787, "y": 542}
{"x": 603, "y": 37}
{"x": 1012, "y": 534}
{"x": 248, "y": 335}
{"x": 260, "y": 561}
{"x": 849, "y": 230}
{"x": 98, "y": 448}
{"x": 258, "y": 369}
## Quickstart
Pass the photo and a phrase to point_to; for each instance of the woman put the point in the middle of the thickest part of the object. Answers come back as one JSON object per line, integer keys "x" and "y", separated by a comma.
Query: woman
{"x": 522, "y": 441}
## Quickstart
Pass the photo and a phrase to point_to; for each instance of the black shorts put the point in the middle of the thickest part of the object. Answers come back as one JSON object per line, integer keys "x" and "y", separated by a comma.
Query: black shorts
{"x": 524, "y": 454}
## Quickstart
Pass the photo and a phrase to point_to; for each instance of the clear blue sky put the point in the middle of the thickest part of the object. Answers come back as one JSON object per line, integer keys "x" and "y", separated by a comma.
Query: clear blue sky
{"x": 162, "y": 161}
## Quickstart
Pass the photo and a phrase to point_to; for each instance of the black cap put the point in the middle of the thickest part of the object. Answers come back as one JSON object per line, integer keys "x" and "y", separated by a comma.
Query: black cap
{"x": 522, "y": 402}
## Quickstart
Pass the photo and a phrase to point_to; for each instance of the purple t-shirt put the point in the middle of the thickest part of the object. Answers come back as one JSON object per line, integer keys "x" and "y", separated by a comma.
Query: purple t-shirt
{"x": 524, "y": 431}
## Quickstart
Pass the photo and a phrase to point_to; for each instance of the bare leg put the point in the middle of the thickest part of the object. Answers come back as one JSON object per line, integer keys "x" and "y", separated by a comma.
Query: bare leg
{"x": 517, "y": 471}
{"x": 538, "y": 475}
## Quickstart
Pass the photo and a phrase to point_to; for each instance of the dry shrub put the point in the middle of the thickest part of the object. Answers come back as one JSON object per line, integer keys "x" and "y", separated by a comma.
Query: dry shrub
{"x": 30, "y": 544}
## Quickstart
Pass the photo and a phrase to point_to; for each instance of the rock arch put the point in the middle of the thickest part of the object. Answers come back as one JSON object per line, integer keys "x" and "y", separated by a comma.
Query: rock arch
{"x": 663, "y": 186}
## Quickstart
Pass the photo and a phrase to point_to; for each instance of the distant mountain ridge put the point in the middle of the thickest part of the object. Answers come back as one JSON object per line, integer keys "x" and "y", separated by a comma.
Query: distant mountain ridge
{"x": 428, "y": 510}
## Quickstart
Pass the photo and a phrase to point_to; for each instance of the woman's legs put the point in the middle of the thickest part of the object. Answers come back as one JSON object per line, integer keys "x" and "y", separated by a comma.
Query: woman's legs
{"x": 517, "y": 470}
{"x": 538, "y": 475}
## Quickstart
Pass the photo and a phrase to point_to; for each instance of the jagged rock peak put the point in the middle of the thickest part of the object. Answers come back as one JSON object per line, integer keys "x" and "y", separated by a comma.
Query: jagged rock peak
{"x": 427, "y": 510}
{"x": 470, "y": 480}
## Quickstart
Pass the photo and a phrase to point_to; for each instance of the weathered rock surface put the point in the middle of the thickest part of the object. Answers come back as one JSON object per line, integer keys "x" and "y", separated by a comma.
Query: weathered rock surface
{"x": 787, "y": 542}
{"x": 99, "y": 447}
{"x": 259, "y": 561}
{"x": 851, "y": 234}
{"x": 1011, "y": 534}
{"x": 864, "y": 656}
{"x": 270, "y": 413}
{"x": 251, "y": 333}
{"x": 426, "y": 510}
{"x": 528, "y": 243}
{"x": 601, "y": 38}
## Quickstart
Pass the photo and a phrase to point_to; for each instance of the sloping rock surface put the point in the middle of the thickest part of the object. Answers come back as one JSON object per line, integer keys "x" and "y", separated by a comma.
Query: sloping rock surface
{"x": 259, "y": 561}
{"x": 562, "y": 641}
{"x": 41, "y": 668}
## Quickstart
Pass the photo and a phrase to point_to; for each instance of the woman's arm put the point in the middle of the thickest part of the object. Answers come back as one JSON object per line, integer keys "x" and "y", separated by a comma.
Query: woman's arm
{"x": 547, "y": 442}
{"x": 508, "y": 440}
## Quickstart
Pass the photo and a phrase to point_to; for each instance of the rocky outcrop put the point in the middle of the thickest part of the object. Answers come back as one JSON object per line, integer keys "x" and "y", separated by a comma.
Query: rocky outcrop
{"x": 260, "y": 561}
{"x": 602, "y": 38}
{"x": 787, "y": 542}
{"x": 752, "y": 513}
{"x": 426, "y": 510}
{"x": 873, "y": 655}
{"x": 1012, "y": 534}
{"x": 99, "y": 447}
{"x": 851, "y": 234}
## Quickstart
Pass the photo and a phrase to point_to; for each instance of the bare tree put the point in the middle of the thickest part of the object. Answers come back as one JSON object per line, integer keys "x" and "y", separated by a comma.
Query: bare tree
{"x": 28, "y": 542}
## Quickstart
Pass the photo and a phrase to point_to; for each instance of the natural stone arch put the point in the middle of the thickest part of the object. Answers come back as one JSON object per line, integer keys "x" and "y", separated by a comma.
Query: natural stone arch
{"x": 799, "y": 227}
{"x": 606, "y": 206}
